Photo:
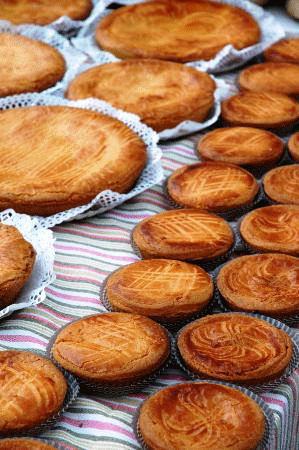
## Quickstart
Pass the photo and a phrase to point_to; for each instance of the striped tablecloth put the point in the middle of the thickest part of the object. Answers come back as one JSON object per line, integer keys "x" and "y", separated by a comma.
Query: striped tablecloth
{"x": 86, "y": 252}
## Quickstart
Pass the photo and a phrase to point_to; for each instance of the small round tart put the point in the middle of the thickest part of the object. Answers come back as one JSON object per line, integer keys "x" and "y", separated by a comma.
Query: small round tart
{"x": 162, "y": 93}
{"x": 260, "y": 109}
{"x": 43, "y": 12}
{"x": 24, "y": 444}
{"x": 280, "y": 77}
{"x": 241, "y": 145}
{"x": 235, "y": 347}
{"x": 272, "y": 229}
{"x": 214, "y": 186}
{"x": 176, "y": 31}
{"x": 201, "y": 415}
{"x": 112, "y": 348}
{"x": 184, "y": 234}
{"x": 165, "y": 290}
{"x": 281, "y": 184}
{"x": 286, "y": 50}
{"x": 19, "y": 71}
{"x": 32, "y": 390}
{"x": 17, "y": 257}
{"x": 57, "y": 157}
{"x": 293, "y": 146}
{"x": 266, "y": 283}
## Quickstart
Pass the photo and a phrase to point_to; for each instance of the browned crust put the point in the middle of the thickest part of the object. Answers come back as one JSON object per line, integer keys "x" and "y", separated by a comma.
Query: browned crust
{"x": 286, "y": 50}
{"x": 281, "y": 184}
{"x": 24, "y": 444}
{"x": 131, "y": 31}
{"x": 293, "y": 146}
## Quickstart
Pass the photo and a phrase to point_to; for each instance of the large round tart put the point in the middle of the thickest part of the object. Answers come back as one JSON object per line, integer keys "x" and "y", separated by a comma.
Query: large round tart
{"x": 176, "y": 31}
{"x": 201, "y": 415}
{"x": 281, "y": 184}
{"x": 53, "y": 158}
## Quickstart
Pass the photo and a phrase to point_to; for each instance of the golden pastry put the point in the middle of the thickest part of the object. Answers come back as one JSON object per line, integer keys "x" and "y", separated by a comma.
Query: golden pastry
{"x": 260, "y": 109}
{"x": 235, "y": 347}
{"x": 185, "y": 234}
{"x": 286, "y": 50}
{"x": 241, "y": 145}
{"x": 24, "y": 444}
{"x": 176, "y": 31}
{"x": 162, "y": 93}
{"x": 43, "y": 12}
{"x": 56, "y": 157}
{"x": 281, "y": 184}
{"x": 165, "y": 290}
{"x": 205, "y": 416}
{"x": 214, "y": 186}
{"x": 17, "y": 257}
{"x": 112, "y": 348}
{"x": 272, "y": 229}
{"x": 266, "y": 283}
{"x": 293, "y": 146}
{"x": 19, "y": 71}
{"x": 32, "y": 390}
{"x": 280, "y": 77}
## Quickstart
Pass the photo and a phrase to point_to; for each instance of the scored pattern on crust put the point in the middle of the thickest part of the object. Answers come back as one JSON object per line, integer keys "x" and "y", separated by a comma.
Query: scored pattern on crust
{"x": 282, "y": 184}
{"x": 293, "y": 146}
{"x": 284, "y": 50}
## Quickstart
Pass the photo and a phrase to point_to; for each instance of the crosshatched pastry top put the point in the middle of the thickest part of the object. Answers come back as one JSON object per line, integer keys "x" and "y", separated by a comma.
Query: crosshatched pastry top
{"x": 176, "y": 31}
{"x": 53, "y": 158}
{"x": 286, "y": 50}
{"x": 185, "y": 234}
{"x": 43, "y": 12}
{"x": 241, "y": 145}
{"x": 112, "y": 347}
{"x": 24, "y": 444}
{"x": 162, "y": 93}
{"x": 281, "y": 184}
{"x": 272, "y": 229}
{"x": 203, "y": 416}
{"x": 32, "y": 390}
{"x": 235, "y": 347}
{"x": 19, "y": 71}
{"x": 266, "y": 283}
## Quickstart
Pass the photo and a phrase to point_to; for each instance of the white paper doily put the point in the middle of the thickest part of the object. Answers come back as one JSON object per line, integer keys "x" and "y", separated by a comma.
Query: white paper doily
{"x": 42, "y": 274}
{"x": 151, "y": 174}
{"x": 227, "y": 59}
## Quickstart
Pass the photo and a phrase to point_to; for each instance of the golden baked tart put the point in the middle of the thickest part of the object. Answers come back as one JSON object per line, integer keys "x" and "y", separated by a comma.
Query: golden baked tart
{"x": 281, "y": 184}
{"x": 214, "y": 186}
{"x": 165, "y": 290}
{"x": 293, "y": 146}
{"x": 24, "y": 444}
{"x": 266, "y": 283}
{"x": 32, "y": 390}
{"x": 244, "y": 146}
{"x": 235, "y": 347}
{"x": 184, "y": 234}
{"x": 43, "y": 12}
{"x": 176, "y": 31}
{"x": 286, "y": 50}
{"x": 19, "y": 71}
{"x": 201, "y": 415}
{"x": 162, "y": 93}
{"x": 53, "y": 158}
{"x": 280, "y": 77}
{"x": 17, "y": 257}
{"x": 272, "y": 229}
{"x": 260, "y": 109}
{"x": 112, "y": 348}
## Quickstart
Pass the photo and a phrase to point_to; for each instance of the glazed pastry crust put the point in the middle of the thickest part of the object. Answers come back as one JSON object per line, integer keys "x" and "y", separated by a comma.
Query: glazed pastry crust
{"x": 271, "y": 77}
{"x": 281, "y": 184}
{"x": 43, "y": 12}
{"x": 162, "y": 93}
{"x": 266, "y": 283}
{"x": 286, "y": 50}
{"x": 17, "y": 257}
{"x": 235, "y": 348}
{"x": 272, "y": 229}
{"x": 197, "y": 415}
{"x": 24, "y": 444}
{"x": 184, "y": 234}
{"x": 111, "y": 348}
{"x": 56, "y": 157}
{"x": 176, "y": 31}
{"x": 18, "y": 69}
{"x": 214, "y": 186}
{"x": 241, "y": 145}
{"x": 293, "y": 146}
{"x": 32, "y": 390}
{"x": 260, "y": 109}
{"x": 166, "y": 290}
